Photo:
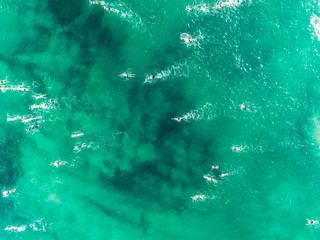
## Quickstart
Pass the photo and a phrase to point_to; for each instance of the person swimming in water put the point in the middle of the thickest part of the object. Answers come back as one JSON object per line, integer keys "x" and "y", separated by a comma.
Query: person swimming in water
{"x": 210, "y": 178}
{"x": 312, "y": 222}
{"x": 39, "y": 96}
{"x": 188, "y": 8}
{"x": 32, "y": 127}
{"x": 187, "y": 38}
{"x": 244, "y": 107}
{"x": 22, "y": 89}
{"x": 16, "y": 229}
{"x": 80, "y": 146}
{"x": 4, "y": 81}
{"x": 200, "y": 197}
{"x": 7, "y": 193}
{"x": 30, "y": 119}
{"x": 215, "y": 167}
{"x": 102, "y": 3}
{"x": 58, "y": 163}
{"x": 98, "y": 2}
{"x": 106, "y": 8}
{"x": 151, "y": 77}
{"x": 42, "y": 105}
{"x": 131, "y": 75}
{"x": 218, "y": 5}
{"x": 226, "y": 174}
{"x": 237, "y": 148}
{"x": 178, "y": 119}
{"x": 77, "y": 135}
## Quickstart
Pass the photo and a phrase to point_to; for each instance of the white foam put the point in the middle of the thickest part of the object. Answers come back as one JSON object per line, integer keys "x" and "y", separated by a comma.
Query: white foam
{"x": 176, "y": 70}
{"x": 123, "y": 11}
{"x": 205, "y": 112}
{"x": 205, "y": 8}
{"x": 38, "y": 225}
{"x": 190, "y": 40}
{"x": 315, "y": 23}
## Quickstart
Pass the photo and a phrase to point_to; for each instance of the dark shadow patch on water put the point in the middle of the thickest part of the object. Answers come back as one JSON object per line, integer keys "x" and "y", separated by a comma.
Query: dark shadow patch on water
{"x": 144, "y": 179}
{"x": 95, "y": 38}
{"x": 179, "y": 156}
{"x": 67, "y": 11}
{"x": 9, "y": 169}
{"x": 36, "y": 43}
{"x": 142, "y": 223}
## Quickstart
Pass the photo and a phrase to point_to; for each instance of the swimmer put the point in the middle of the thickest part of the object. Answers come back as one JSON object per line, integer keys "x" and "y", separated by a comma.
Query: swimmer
{"x": 237, "y": 149}
{"x": 113, "y": 10}
{"x": 210, "y": 179}
{"x": 14, "y": 228}
{"x": 22, "y": 89}
{"x": 242, "y": 106}
{"x": 312, "y": 222}
{"x": 187, "y": 38}
{"x": 42, "y": 105}
{"x": 154, "y": 77}
{"x": 188, "y": 8}
{"x": 39, "y": 96}
{"x": 225, "y": 174}
{"x": 4, "y": 81}
{"x": 219, "y": 5}
{"x": 200, "y": 197}
{"x": 32, "y": 127}
{"x": 7, "y": 193}
{"x": 98, "y": 2}
{"x": 107, "y": 9}
{"x": 178, "y": 119}
{"x": 58, "y": 163}
{"x": 127, "y": 75}
{"x": 77, "y": 135}
{"x": 30, "y": 119}
{"x": 215, "y": 167}
{"x": 80, "y": 146}
{"x": 13, "y": 119}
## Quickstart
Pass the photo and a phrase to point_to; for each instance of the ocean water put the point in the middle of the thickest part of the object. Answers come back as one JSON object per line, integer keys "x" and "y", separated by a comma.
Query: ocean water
{"x": 139, "y": 173}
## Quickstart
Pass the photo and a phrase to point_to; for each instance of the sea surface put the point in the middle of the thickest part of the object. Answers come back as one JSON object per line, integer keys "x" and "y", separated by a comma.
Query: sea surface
{"x": 113, "y": 114}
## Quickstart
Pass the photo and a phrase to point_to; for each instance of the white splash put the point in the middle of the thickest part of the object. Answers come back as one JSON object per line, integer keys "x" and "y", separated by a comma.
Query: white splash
{"x": 205, "y": 112}
{"x": 176, "y": 70}
{"x": 190, "y": 40}
{"x": 38, "y": 225}
{"x": 46, "y": 105}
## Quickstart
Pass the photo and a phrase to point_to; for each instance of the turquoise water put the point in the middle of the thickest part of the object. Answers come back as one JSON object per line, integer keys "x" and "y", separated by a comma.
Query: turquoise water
{"x": 137, "y": 173}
